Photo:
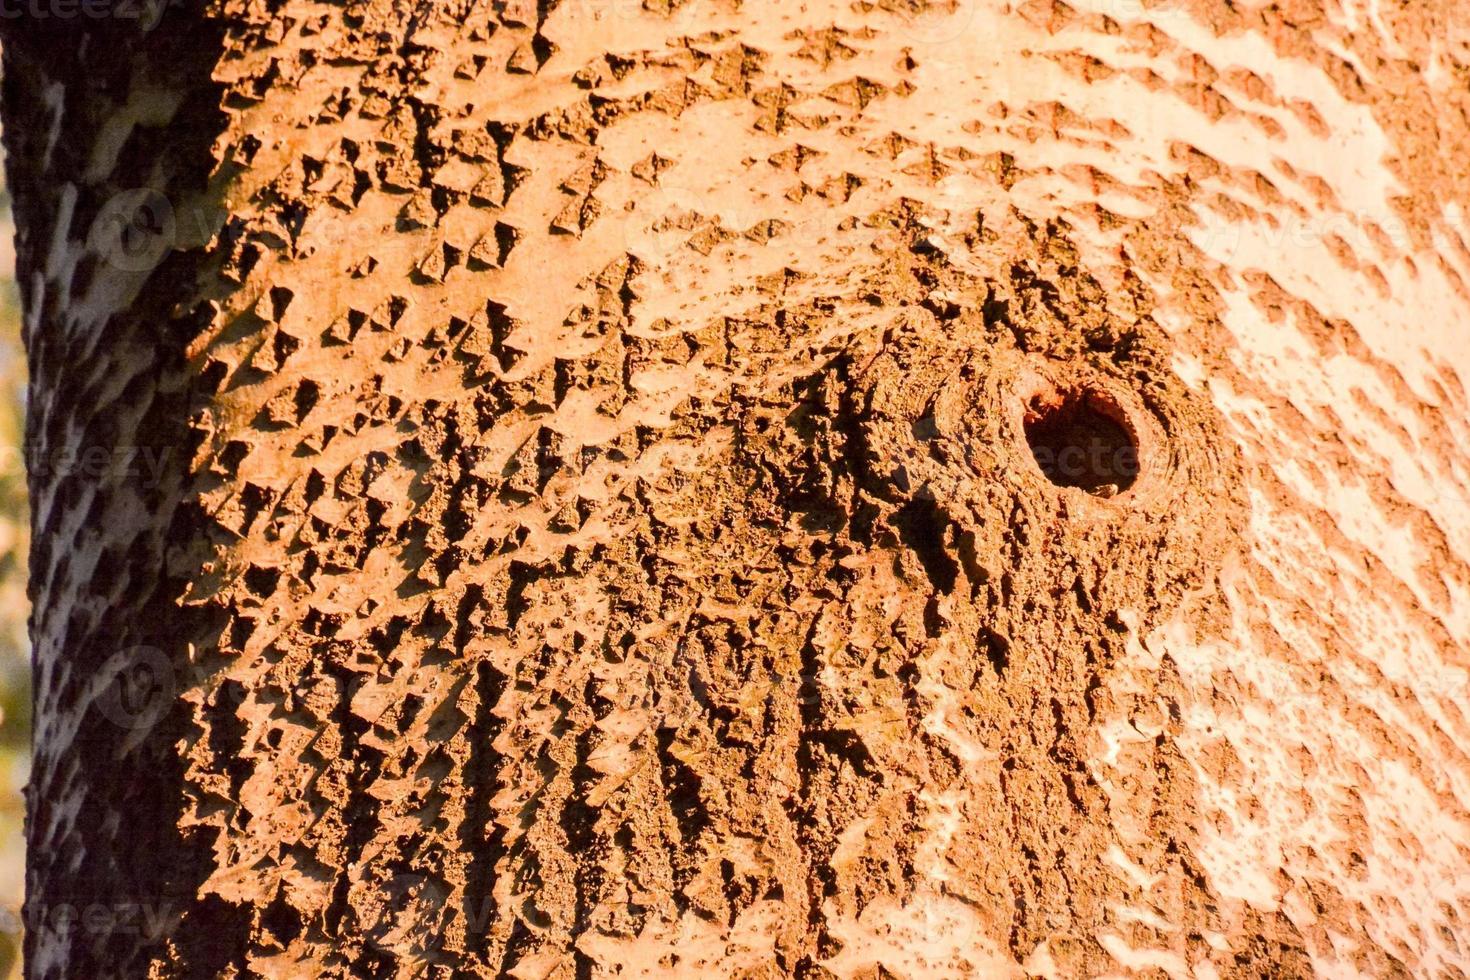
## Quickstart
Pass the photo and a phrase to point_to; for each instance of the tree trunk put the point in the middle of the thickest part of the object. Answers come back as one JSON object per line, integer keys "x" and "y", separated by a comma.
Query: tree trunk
{"x": 575, "y": 489}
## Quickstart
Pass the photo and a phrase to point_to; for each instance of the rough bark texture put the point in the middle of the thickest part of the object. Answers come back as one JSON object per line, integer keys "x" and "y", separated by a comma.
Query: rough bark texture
{"x": 594, "y": 529}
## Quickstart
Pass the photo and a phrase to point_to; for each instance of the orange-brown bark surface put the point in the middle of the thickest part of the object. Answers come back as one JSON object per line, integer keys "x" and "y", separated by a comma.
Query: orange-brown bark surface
{"x": 611, "y": 508}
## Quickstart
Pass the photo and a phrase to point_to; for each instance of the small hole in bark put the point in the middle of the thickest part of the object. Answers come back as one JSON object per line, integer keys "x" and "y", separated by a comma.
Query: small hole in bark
{"x": 1082, "y": 439}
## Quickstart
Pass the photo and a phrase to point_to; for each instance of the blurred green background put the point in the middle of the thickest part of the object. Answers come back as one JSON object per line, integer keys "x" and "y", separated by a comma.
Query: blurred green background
{"x": 15, "y": 700}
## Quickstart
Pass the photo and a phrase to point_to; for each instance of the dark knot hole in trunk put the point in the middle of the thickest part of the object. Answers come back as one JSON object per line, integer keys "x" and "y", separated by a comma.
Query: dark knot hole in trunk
{"x": 1083, "y": 439}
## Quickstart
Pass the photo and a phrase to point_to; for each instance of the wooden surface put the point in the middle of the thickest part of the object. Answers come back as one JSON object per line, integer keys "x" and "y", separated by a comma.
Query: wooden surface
{"x": 594, "y": 532}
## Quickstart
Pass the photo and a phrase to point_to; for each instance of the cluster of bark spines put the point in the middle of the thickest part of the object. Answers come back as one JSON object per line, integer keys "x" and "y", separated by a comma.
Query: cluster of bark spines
{"x": 473, "y": 691}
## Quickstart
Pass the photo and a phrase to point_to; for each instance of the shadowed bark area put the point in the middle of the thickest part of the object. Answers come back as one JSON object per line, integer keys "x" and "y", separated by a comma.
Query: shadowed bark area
{"x": 726, "y": 488}
{"x": 108, "y": 129}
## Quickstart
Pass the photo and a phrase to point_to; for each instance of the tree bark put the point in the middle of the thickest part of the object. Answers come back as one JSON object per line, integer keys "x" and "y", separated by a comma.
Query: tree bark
{"x": 577, "y": 489}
